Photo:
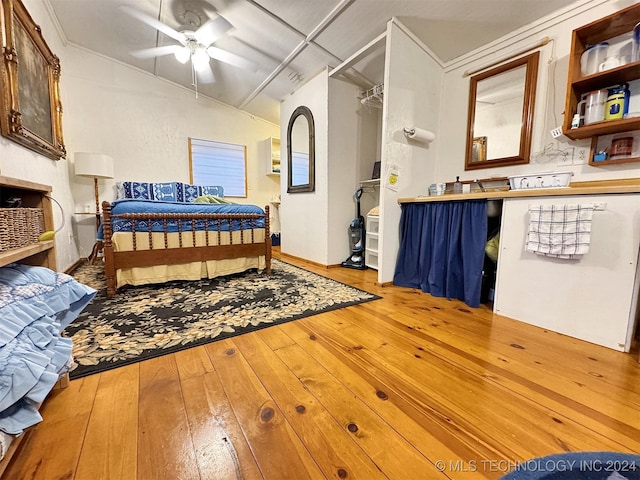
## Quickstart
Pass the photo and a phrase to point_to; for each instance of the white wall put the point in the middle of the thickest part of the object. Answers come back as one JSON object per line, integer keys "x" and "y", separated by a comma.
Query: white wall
{"x": 413, "y": 79}
{"x": 304, "y": 216}
{"x": 344, "y": 166}
{"x": 144, "y": 123}
{"x": 141, "y": 121}
{"x": 315, "y": 225}
{"x": 550, "y": 97}
{"x": 19, "y": 162}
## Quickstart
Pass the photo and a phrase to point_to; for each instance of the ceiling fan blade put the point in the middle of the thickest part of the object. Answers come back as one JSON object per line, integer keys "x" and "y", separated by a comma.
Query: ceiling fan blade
{"x": 156, "y": 51}
{"x": 212, "y": 30}
{"x": 231, "y": 59}
{"x": 205, "y": 75}
{"x": 158, "y": 25}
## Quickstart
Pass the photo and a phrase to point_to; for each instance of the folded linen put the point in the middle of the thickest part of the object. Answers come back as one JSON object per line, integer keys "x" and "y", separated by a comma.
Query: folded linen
{"x": 36, "y": 304}
{"x": 559, "y": 231}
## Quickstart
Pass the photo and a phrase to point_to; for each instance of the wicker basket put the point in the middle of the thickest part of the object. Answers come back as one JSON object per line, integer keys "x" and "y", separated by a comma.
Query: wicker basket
{"x": 20, "y": 227}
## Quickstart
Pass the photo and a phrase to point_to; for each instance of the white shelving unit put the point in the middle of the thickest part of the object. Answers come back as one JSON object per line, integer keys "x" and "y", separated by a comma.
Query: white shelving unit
{"x": 371, "y": 250}
{"x": 272, "y": 158}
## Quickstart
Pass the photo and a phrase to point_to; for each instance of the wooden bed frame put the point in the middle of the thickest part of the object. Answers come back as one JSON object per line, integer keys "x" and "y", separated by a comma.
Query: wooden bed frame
{"x": 162, "y": 255}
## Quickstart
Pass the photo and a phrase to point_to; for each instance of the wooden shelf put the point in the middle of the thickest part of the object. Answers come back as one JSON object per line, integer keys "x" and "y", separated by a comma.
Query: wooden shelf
{"x": 609, "y": 161}
{"x": 604, "y": 29}
{"x": 622, "y": 74}
{"x": 367, "y": 183}
{"x": 604, "y": 128}
{"x": 614, "y": 161}
{"x": 21, "y": 253}
{"x": 33, "y": 195}
{"x": 15, "y": 183}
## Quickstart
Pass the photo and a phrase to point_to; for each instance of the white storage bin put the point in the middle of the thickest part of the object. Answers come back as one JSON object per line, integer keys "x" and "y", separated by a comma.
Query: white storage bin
{"x": 371, "y": 258}
{"x": 540, "y": 180}
{"x": 373, "y": 221}
{"x": 372, "y": 241}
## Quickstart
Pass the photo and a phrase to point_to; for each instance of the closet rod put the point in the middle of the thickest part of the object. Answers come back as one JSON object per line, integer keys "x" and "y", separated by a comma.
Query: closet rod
{"x": 541, "y": 43}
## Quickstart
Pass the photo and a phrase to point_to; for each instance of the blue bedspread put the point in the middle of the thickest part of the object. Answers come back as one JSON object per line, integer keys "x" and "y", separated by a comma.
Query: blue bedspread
{"x": 152, "y": 206}
{"x": 36, "y": 304}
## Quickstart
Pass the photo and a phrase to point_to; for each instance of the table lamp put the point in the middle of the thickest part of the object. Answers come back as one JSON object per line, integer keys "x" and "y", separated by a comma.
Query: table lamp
{"x": 94, "y": 165}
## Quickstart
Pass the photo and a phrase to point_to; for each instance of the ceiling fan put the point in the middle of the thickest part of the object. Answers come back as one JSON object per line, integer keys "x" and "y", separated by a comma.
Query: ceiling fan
{"x": 195, "y": 44}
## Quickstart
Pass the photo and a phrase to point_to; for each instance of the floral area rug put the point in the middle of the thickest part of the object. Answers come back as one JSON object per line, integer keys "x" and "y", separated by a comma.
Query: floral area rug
{"x": 139, "y": 323}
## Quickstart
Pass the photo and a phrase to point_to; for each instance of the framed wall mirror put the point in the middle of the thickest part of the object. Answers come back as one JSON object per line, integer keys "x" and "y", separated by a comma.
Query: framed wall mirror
{"x": 301, "y": 152}
{"x": 501, "y": 104}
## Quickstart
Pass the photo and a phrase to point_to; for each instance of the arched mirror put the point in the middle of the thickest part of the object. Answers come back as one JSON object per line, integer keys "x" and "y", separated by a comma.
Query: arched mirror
{"x": 501, "y": 102}
{"x": 301, "y": 152}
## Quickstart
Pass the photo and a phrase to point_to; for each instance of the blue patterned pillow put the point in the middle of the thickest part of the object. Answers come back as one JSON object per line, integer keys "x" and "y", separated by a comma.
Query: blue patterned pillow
{"x": 180, "y": 192}
{"x": 167, "y": 191}
{"x": 216, "y": 190}
{"x": 139, "y": 190}
{"x": 191, "y": 192}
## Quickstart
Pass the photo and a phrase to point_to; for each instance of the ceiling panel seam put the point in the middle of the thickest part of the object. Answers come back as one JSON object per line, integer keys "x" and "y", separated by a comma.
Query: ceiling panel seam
{"x": 292, "y": 28}
{"x": 285, "y": 24}
{"x": 324, "y": 23}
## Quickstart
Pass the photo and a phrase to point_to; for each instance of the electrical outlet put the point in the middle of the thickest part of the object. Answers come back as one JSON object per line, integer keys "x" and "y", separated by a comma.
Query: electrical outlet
{"x": 582, "y": 156}
{"x": 556, "y": 132}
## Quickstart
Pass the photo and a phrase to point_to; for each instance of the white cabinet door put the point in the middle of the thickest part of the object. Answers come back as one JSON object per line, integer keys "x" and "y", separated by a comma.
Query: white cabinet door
{"x": 592, "y": 298}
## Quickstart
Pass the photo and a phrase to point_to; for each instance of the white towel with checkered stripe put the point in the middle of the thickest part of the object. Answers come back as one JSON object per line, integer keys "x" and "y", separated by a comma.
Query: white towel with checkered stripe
{"x": 559, "y": 231}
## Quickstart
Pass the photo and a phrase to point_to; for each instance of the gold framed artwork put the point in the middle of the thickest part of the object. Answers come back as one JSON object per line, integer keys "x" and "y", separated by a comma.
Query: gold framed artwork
{"x": 479, "y": 153}
{"x": 31, "y": 111}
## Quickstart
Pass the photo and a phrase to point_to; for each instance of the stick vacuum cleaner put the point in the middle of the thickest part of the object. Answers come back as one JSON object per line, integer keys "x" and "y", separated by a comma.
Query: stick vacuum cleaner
{"x": 356, "y": 238}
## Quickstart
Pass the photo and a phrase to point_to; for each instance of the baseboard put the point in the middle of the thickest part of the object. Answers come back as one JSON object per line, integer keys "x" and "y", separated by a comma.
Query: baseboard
{"x": 300, "y": 259}
{"x": 75, "y": 265}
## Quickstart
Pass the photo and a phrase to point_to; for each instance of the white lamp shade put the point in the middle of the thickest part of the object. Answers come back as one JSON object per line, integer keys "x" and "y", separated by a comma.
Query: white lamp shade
{"x": 200, "y": 59}
{"x": 94, "y": 165}
{"x": 183, "y": 54}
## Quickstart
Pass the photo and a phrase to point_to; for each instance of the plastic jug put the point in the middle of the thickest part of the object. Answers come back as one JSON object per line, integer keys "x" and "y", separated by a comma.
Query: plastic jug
{"x": 617, "y": 102}
{"x": 592, "y": 57}
{"x": 595, "y": 106}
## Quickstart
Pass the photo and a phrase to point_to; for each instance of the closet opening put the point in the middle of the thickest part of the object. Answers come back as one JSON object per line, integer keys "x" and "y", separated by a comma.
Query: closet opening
{"x": 491, "y": 249}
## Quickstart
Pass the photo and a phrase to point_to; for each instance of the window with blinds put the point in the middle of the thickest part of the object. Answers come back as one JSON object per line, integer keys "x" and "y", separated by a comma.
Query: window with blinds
{"x": 219, "y": 163}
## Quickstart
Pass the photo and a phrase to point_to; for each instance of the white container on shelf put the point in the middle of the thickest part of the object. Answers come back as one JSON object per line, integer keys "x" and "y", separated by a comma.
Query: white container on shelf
{"x": 540, "y": 180}
{"x": 592, "y": 57}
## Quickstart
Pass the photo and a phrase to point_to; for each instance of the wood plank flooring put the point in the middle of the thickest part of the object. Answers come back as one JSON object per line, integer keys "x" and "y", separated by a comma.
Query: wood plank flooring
{"x": 406, "y": 387}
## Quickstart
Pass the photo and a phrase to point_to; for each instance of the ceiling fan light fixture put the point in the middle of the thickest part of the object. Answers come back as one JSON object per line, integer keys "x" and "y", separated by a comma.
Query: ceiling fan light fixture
{"x": 183, "y": 54}
{"x": 200, "y": 59}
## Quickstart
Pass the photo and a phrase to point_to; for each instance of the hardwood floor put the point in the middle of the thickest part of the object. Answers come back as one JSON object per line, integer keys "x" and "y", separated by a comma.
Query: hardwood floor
{"x": 406, "y": 387}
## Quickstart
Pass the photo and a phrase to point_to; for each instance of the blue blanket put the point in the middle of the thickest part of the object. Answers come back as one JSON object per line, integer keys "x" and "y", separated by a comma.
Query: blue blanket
{"x": 152, "y": 206}
{"x": 36, "y": 304}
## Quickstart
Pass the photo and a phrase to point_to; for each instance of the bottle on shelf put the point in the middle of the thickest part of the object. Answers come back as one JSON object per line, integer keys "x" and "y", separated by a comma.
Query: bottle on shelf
{"x": 457, "y": 186}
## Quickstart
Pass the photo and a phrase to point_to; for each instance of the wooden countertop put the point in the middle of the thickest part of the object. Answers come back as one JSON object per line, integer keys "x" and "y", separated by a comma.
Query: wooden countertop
{"x": 601, "y": 187}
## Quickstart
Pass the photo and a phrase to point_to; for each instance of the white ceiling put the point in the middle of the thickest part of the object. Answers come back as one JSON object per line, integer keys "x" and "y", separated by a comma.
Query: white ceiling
{"x": 290, "y": 40}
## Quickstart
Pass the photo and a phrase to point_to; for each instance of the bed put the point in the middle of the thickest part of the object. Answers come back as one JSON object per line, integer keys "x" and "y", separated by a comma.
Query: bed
{"x": 149, "y": 240}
